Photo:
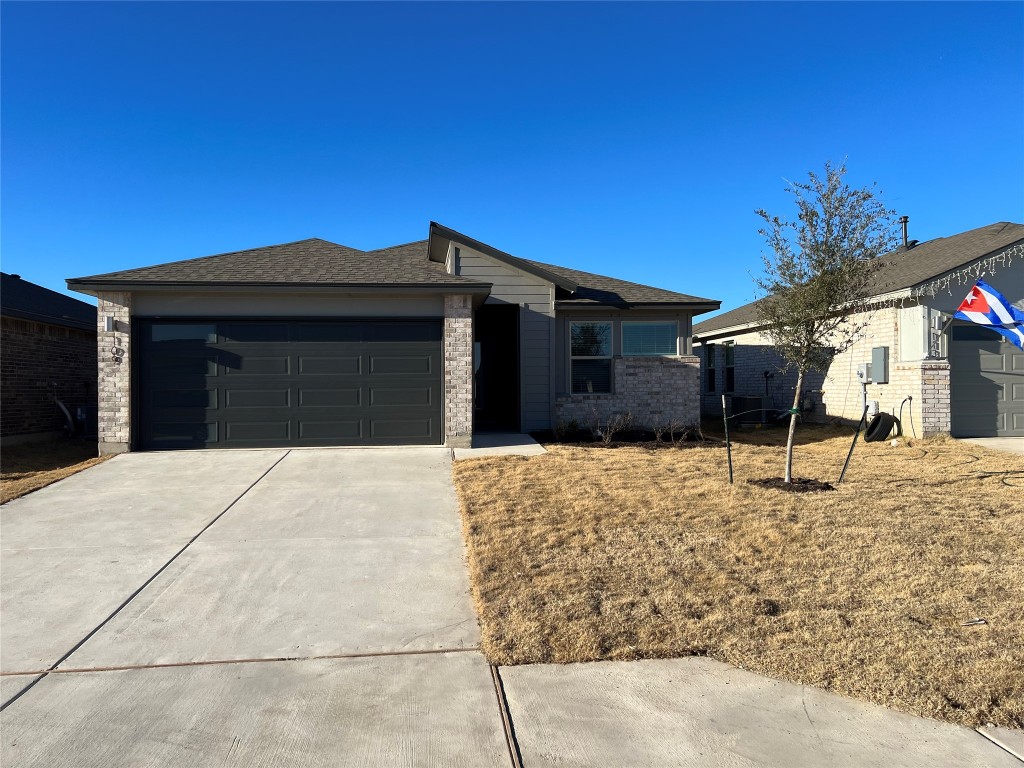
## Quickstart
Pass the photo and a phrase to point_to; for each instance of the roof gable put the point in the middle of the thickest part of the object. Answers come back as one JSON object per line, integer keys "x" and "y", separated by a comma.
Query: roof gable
{"x": 906, "y": 268}
{"x": 581, "y": 288}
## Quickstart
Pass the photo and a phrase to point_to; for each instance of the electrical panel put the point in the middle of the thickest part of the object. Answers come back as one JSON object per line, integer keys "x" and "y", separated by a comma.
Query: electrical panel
{"x": 880, "y": 365}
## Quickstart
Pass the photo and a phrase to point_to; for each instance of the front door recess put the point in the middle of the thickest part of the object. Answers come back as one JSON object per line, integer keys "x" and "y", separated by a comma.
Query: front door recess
{"x": 496, "y": 397}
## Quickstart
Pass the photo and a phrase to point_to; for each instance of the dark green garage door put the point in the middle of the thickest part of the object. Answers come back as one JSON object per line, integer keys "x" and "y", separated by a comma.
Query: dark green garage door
{"x": 268, "y": 383}
{"x": 986, "y": 384}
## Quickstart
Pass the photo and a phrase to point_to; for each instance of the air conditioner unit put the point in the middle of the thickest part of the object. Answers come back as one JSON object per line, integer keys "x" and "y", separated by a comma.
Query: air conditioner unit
{"x": 749, "y": 409}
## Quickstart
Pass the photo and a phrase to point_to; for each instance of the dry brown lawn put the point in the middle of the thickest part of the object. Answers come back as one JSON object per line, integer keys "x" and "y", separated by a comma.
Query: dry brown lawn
{"x": 590, "y": 553}
{"x": 29, "y": 467}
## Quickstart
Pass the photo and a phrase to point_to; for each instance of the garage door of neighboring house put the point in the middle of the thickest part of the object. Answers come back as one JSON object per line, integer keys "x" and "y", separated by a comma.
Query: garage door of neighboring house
{"x": 986, "y": 384}
{"x": 269, "y": 383}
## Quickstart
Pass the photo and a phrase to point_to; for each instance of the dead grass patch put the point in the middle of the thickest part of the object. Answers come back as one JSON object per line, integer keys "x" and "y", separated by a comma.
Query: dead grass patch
{"x": 587, "y": 553}
{"x": 29, "y": 467}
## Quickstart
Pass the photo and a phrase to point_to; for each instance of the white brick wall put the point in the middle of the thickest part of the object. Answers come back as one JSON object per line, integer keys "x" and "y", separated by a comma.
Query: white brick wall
{"x": 652, "y": 390}
{"x": 458, "y": 371}
{"x": 114, "y": 384}
{"x": 925, "y": 381}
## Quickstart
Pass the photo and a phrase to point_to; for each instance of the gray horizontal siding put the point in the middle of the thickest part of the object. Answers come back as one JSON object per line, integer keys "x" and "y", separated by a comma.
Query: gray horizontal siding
{"x": 536, "y": 329}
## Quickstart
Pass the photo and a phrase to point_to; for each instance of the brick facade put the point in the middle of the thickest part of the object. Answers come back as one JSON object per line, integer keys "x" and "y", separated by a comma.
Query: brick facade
{"x": 40, "y": 362}
{"x": 653, "y": 391}
{"x": 114, "y": 372}
{"x": 838, "y": 393}
{"x": 935, "y": 400}
{"x": 458, "y": 371}
{"x": 753, "y": 356}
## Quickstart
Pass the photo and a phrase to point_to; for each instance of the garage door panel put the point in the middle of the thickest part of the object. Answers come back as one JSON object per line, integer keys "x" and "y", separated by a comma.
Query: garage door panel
{"x": 181, "y": 365}
{"x": 402, "y": 429}
{"x": 257, "y": 366}
{"x": 313, "y": 365}
{"x": 342, "y": 383}
{"x": 186, "y": 398}
{"x": 399, "y": 396}
{"x": 390, "y": 365}
{"x": 350, "y": 430}
{"x": 326, "y": 398}
{"x": 988, "y": 392}
{"x": 249, "y": 431}
{"x": 174, "y": 433}
{"x": 257, "y": 398}
{"x": 993, "y": 362}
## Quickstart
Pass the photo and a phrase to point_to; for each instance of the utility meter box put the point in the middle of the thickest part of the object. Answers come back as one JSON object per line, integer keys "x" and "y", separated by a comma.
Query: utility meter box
{"x": 864, "y": 372}
{"x": 880, "y": 365}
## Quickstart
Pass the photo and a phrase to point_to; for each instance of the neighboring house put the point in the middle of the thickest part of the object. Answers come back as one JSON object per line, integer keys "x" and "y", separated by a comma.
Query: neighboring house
{"x": 47, "y": 352}
{"x": 314, "y": 343}
{"x": 963, "y": 379}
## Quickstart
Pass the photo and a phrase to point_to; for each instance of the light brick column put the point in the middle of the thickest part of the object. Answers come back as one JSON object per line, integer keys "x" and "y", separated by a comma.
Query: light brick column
{"x": 115, "y": 384}
{"x": 935, "y": 401}
{"x": 458, "y": 371}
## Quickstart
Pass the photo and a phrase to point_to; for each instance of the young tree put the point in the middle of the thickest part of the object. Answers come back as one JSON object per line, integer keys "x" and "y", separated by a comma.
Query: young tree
{"x": 818, "y": 273}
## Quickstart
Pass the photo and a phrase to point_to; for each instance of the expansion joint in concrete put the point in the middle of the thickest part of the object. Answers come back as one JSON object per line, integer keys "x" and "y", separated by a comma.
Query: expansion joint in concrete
{"x": 138, "y": 591}
{"x": 506, "y": 719}
{"x": 222, "y": 662}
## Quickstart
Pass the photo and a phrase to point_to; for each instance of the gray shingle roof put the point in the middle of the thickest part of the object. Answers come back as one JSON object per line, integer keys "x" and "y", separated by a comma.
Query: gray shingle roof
{"x": 319, "y": 262}
{"x": 906, "y": 268}
{"x": 313, "y": 262}
{"x": 28, "y": 301}
{"x": 598, "y": 289}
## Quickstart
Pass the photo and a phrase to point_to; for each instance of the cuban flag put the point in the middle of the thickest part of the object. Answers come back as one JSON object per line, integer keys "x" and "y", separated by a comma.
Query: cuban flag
{"x": 984, "y": 305}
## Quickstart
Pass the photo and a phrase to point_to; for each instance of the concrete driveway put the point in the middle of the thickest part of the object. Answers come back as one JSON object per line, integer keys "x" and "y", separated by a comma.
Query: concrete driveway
{"x": 298, "y": 607}
{"x": 311, "y": 607}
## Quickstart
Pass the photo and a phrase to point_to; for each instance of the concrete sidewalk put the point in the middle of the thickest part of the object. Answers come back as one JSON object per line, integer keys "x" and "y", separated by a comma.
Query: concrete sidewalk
{"x": 1006, "y": 444}
{"x": 699, "y": 712}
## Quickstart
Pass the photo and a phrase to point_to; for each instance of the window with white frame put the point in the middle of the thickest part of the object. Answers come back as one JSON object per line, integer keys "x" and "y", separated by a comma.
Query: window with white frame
{"x": 650, "y": 339}
{"x": 591, "y": 351}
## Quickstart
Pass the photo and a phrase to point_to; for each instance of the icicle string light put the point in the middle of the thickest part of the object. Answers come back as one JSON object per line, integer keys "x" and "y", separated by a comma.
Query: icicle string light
{"x": 967, "y": 276}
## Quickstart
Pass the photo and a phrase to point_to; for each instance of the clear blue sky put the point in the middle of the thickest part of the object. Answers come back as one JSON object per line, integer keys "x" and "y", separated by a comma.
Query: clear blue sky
{"x": 634, "y": 140}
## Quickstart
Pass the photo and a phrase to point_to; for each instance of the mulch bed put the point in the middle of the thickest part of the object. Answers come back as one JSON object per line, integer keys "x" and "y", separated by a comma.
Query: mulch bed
{"x": 799, "y": 484}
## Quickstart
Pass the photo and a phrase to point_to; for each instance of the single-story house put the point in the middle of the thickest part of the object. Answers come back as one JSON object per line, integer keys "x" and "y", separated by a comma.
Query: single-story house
{"x": 317, "y": 344}
{"x": 960, "y": 378}
{"x": 47, "y": 353}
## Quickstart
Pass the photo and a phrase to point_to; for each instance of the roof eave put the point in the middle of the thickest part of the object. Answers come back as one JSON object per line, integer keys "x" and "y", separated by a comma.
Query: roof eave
{"x": 37, "y": 317}
{"x": 695, "y": 307}
{"x": 507, "y": 258}
{"x": 92, "y": 288}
